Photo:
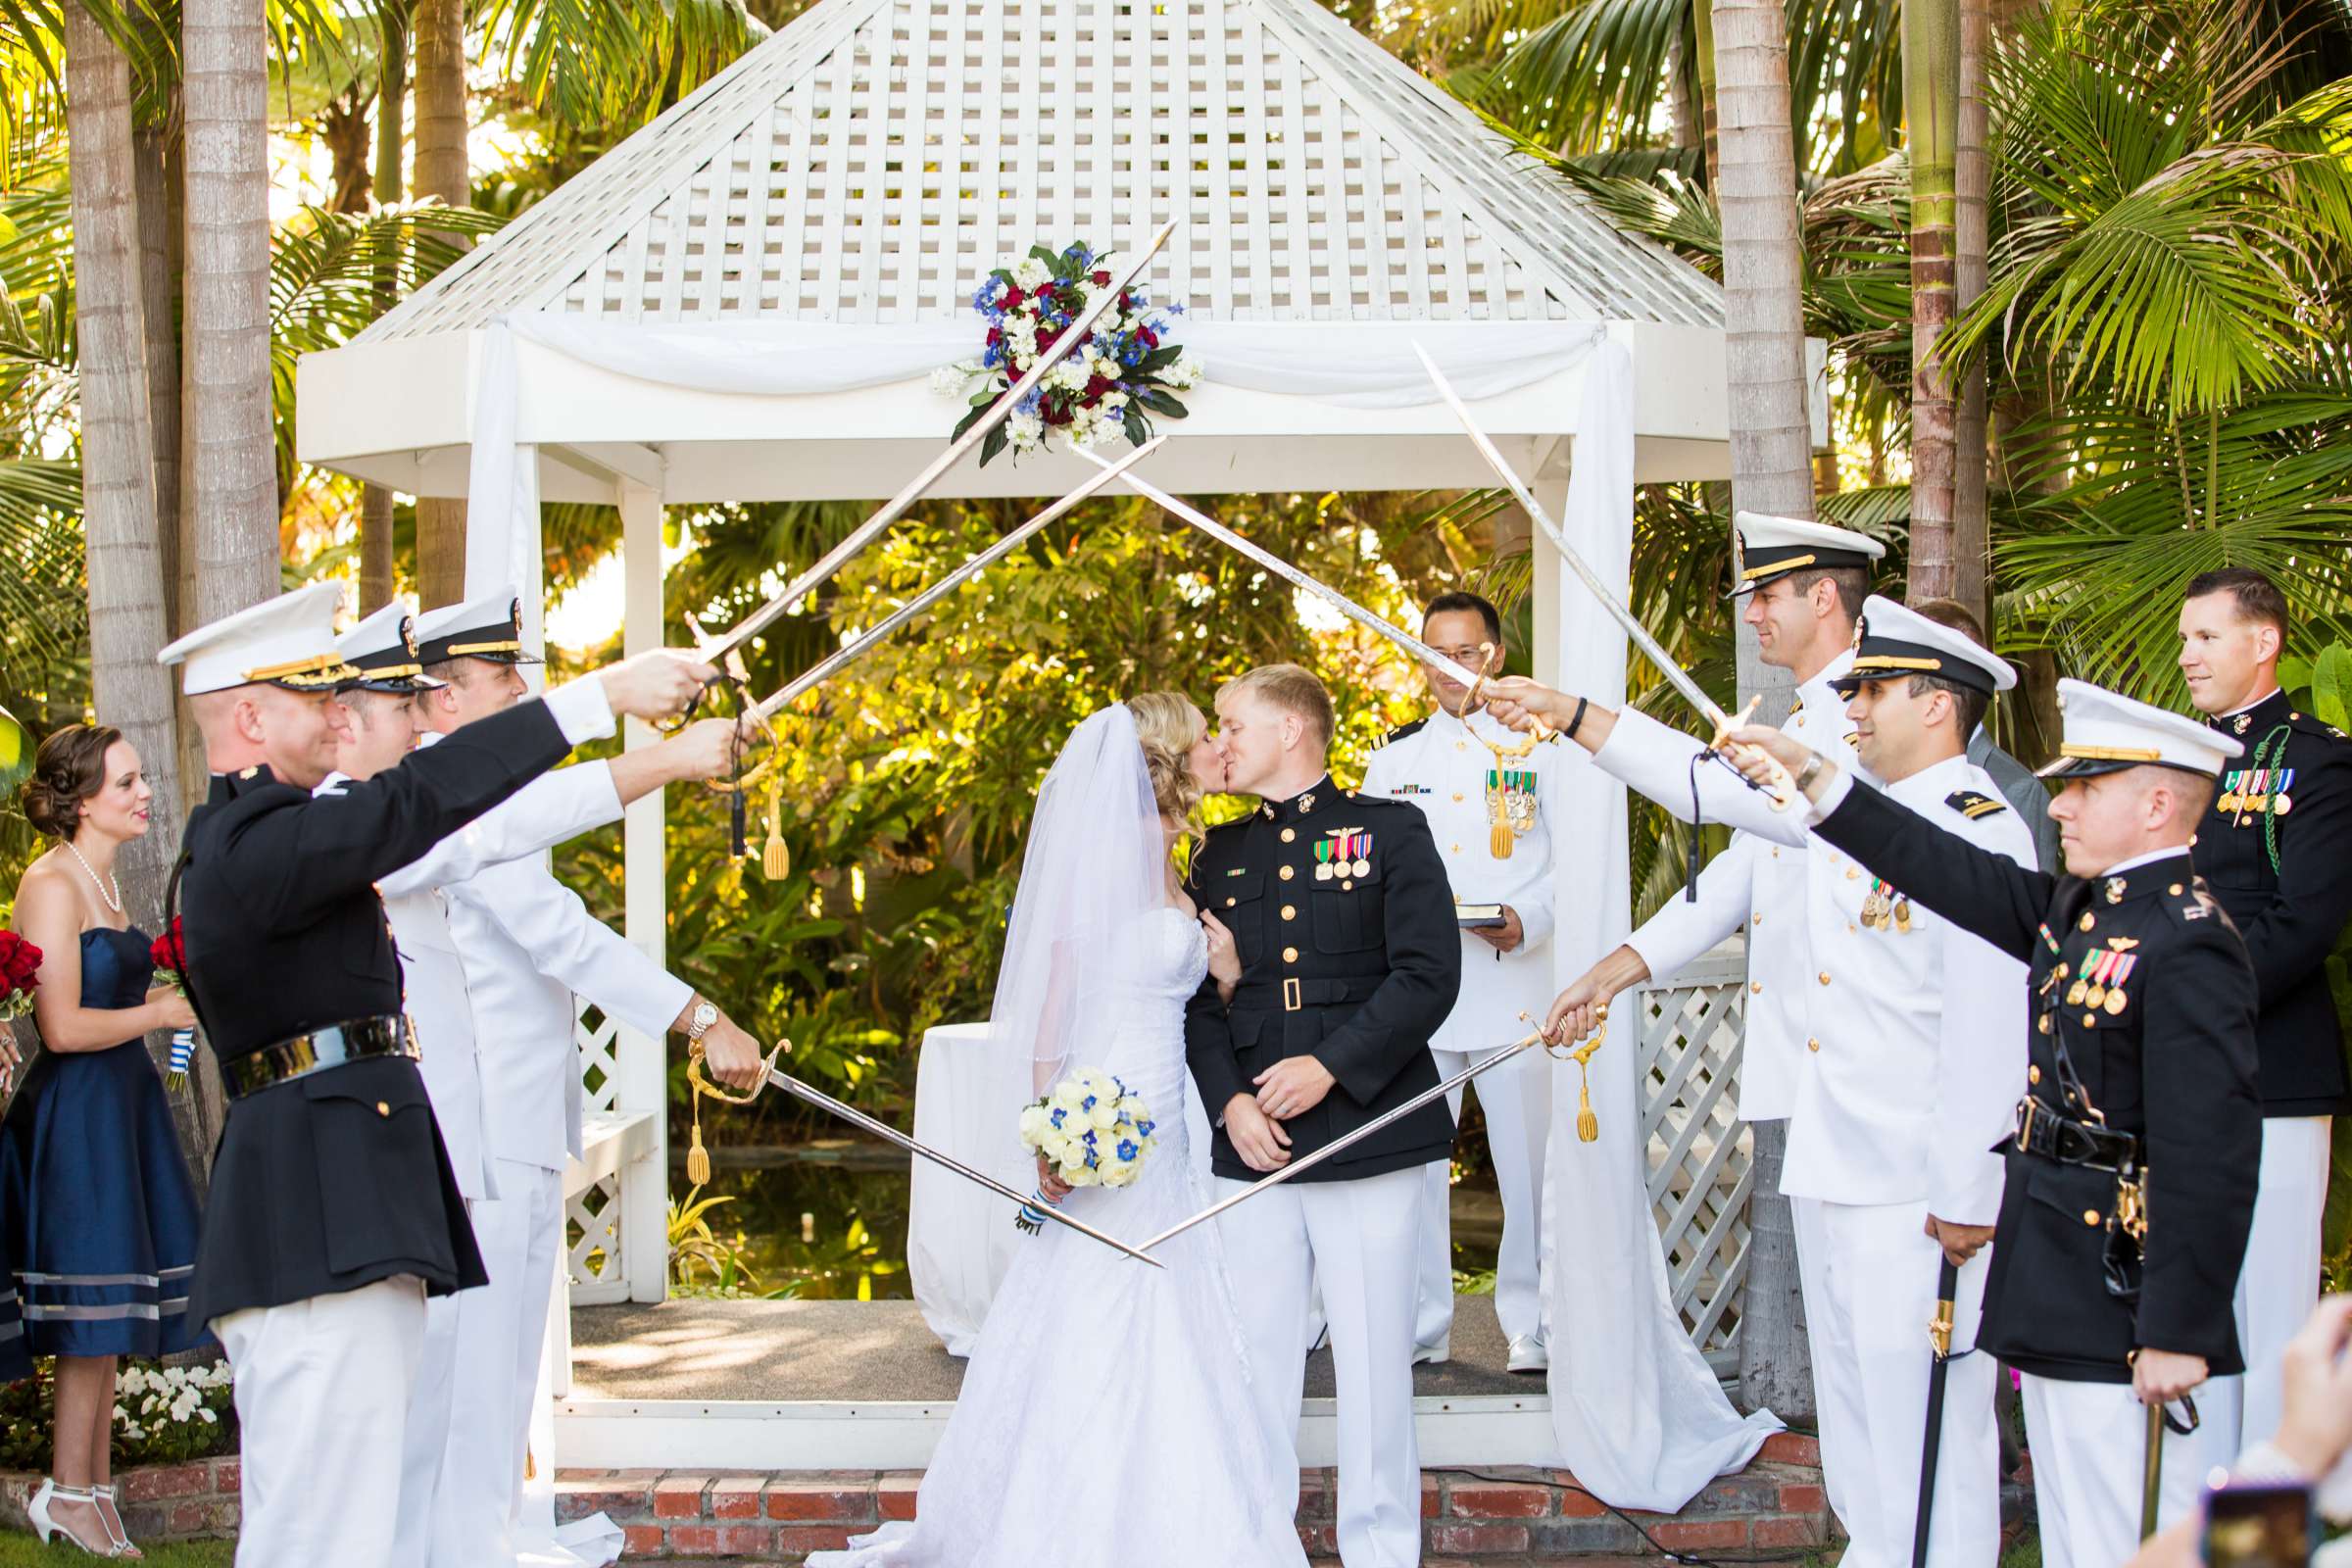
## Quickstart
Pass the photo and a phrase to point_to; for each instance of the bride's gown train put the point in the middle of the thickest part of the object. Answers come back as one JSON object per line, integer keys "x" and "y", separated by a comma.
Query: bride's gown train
{"x": 1108, "y": 1408}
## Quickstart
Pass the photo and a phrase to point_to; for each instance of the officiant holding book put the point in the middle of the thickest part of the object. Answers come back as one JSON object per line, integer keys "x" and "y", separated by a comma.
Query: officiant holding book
{"x": 1489, "y": 794}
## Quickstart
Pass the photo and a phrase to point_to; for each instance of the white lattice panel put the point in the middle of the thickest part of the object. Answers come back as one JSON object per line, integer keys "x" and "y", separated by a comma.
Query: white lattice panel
{"x": 594, "y": 1240}
{"x": 599, "y": 1060}
{"x": 875, "y": 158}
{"x": 1699, "y": 1157}
{"x": 592, "y": 1245}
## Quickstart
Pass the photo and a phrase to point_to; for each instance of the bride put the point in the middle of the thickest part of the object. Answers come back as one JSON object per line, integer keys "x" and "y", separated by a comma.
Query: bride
{"x": 1107, "y": 1402}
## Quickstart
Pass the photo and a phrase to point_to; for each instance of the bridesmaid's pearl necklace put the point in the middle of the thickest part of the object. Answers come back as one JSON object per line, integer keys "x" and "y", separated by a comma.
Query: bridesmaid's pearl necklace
{"x": 112, "y": 896}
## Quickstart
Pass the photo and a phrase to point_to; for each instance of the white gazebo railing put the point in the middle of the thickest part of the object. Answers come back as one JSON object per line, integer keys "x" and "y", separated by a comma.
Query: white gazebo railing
{"x": 1700, "y": 1161}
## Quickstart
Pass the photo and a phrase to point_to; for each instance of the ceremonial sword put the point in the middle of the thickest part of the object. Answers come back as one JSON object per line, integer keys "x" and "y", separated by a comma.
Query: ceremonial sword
{"x": 1940, "y": 1343}
{"x": 1306, "y": 1163}
{"x": 891, "y": 1135}
{"x": 1186, "y": 513}
{"x": 850, "y": 652}
{"x": 998, "y": 412}
{"x": 1782, "y": 788}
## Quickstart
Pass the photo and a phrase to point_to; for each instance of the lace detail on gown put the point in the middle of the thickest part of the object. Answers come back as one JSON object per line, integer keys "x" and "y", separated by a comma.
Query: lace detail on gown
{"x": 1107, "y": 1402}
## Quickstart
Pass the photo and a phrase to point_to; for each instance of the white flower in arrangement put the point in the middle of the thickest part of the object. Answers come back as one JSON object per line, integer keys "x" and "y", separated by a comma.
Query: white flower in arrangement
{"x": 1030, "y": 273}
{"x": 1114, "y": 401}
{"x": 1035, "y": 1124}
{"x": 1183, "y": 374}
{"x": 1026, "y": 431}
{"x": 949, "y": 379}
{"x": 1072, "y": 373}
{"x": 1071, "y": 1092}
{"x": 1104, "y": 1115}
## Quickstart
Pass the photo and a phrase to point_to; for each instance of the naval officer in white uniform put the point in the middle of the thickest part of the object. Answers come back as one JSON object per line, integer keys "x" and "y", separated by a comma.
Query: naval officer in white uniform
{"x": 380, "y": 698}
{"x": 527, "y": 943}
{"x": 1489, "y": 794}
{"x": 1913, "y": 1060}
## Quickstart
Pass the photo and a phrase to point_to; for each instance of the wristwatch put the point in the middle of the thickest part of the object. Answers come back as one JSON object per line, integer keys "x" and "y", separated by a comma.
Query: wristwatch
{"x": 706, "y": 1014}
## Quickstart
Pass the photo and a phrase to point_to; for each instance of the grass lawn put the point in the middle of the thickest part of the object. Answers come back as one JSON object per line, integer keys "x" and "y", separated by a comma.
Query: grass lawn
{"x": 23, "y": 1551}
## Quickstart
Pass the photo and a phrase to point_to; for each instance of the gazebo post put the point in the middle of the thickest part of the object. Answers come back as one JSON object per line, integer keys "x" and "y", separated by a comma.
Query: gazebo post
{"x": 643, "y": 1063}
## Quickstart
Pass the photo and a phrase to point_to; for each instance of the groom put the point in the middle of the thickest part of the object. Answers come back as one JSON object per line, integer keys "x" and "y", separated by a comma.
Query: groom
{"x": 1340, "y": 910}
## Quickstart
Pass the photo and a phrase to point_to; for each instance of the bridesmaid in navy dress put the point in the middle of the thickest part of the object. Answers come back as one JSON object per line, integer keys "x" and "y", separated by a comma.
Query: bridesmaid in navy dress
{"x": 97, "y": 1214}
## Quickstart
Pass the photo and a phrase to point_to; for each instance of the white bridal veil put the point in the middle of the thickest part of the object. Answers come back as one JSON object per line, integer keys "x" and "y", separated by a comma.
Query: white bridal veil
{"x": 1094, "y": 868}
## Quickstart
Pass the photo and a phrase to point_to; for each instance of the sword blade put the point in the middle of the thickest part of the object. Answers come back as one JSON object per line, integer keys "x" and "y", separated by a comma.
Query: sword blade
{"x": 1294, "y": 575}
{"x": 891, "y": 1135}
{"x": 850, "y": 652}
{"x": 1675, "y": 677}
{"x": 999, "y": 411}
{"x": 1308, "y": 1162}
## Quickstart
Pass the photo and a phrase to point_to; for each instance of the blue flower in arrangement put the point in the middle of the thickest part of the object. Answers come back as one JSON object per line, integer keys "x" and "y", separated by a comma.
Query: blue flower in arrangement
{"x": 1059, "y": 1114}
{"x": 1128, "y": 1148}
{"x": 1143, "y": 1129}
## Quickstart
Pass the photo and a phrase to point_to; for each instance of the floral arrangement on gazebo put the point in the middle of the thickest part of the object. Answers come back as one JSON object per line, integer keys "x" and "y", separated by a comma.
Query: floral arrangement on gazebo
{"x": 1110, "y": 386}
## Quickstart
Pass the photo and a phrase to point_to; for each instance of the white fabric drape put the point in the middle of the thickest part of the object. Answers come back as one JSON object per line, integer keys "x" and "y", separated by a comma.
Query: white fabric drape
{"x": 1638, "y": 1414}
{"x": 1333, "y": 363}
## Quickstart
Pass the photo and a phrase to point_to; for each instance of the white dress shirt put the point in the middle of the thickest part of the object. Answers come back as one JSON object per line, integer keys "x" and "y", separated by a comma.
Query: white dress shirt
{"x": 1912, "y": 1054}
{"x": 1743, "y": 885}
{"x": 1441, "y": 767}
{"x": 547, "y": 810}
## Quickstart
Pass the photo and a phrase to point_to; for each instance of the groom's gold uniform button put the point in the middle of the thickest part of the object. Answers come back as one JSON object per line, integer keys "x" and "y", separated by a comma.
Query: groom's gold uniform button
{"x": 1290, "y": 954}
{"x": 1230, "y": 902}
{"x": 1290, "y": 911}
{"x": 1288, "y": 834}
{"x": 1285, "y": 873}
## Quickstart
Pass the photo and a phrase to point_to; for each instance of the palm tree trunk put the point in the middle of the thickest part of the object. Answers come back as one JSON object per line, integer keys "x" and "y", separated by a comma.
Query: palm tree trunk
{"x": 229, "y": 482}
{"x": 391, "y": 106}
{"x": 442, "y": 172}
{"x": 1972, "y": 190}
{"x": 128, "y": 617}
{"x": 1702, "y": 60}
{"x": 1772, "y": 472}
{"x": 1932, "y": 101}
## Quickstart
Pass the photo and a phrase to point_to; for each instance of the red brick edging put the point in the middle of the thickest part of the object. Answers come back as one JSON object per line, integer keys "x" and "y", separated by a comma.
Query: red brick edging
{"x": 158, "y": 1501}
{"x": 1490, "y": 1516}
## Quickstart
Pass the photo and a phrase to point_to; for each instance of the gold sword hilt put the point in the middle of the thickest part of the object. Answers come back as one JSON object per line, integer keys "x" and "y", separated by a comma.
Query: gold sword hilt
{"x": 1489, "y": 654}
{"x": 1780, "y": 785}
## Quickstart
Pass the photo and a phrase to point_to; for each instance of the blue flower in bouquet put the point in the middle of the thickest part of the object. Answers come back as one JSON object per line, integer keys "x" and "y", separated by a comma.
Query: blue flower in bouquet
{"x": 1129, "y": 1149}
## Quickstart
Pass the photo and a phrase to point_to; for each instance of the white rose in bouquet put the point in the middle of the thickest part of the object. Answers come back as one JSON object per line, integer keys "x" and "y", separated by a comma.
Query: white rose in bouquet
{"x": 1030, "y": 273}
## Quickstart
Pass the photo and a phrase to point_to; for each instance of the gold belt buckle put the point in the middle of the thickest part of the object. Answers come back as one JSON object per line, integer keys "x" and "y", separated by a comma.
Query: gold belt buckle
{"x": 2025, "y": 1123}
{"x": 1290, "y": 994}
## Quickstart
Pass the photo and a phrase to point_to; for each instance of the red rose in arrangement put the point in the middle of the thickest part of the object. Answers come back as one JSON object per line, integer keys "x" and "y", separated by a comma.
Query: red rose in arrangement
{"x": 20, "y": 974}
{"x": 170, "y": 952}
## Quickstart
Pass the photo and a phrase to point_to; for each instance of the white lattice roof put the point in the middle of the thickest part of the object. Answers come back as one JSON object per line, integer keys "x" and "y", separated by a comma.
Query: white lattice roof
{"x": 873, "y": 160}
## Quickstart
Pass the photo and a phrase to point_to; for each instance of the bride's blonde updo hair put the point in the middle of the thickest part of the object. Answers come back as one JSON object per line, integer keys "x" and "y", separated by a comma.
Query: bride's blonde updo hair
{"x": 1168, "y": 723}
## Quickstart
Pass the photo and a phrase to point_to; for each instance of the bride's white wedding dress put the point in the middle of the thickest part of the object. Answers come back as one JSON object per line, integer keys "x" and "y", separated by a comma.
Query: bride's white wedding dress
{"x": 1108, "y": 1409}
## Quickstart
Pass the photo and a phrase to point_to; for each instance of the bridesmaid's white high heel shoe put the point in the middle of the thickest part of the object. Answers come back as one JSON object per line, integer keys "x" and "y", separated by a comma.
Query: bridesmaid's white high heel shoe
{"x": 112, "y": 1518}
{"x": 45, "y": 1526}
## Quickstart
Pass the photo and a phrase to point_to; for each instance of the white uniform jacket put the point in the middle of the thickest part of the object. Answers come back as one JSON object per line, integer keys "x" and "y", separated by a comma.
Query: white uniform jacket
{"x": 547, "y": 810}
{"x": 1912, "y": 1054}
{"x": 528, "y": 944}
{"x": 1743, "y": 885}
{"x": 1441, "y": 767}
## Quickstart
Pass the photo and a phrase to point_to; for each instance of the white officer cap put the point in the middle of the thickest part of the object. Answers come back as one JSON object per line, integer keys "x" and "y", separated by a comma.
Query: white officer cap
{"x": 1773, "y": 546}
{"x": 288, "y": 641}
{"x": 488, "y": 627}
{"x": 1893, "y": 638}
{"x": 383, "y": 651}
{"x": 2106, "y": 733}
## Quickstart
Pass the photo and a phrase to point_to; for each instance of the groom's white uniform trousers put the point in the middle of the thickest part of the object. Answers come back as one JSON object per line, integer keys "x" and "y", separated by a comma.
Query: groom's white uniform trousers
{"x": 1449, "y": 767}
{"x": 1908, "y": 1060}
{"x": 550, "y": 809}
{"x": 527, "y": 943}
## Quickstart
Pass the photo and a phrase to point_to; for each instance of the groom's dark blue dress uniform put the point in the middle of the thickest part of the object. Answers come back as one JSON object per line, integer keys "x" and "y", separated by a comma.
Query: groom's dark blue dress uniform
{"x": 1343, "y": 917}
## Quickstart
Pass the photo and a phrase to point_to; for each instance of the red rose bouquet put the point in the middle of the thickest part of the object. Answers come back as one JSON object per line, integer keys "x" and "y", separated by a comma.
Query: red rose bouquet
{"x": 171, "y": 954}
{"x": 20, "y": 974}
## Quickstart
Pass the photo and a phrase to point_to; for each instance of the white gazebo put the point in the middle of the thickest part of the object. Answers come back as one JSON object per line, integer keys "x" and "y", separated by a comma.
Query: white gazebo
{"x": 742, "y": 301}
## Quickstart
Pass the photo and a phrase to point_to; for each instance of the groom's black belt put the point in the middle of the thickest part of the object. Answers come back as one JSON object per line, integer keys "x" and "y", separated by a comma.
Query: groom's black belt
{"x": 1288, "y": 996}
{"x": 391, "y": 1035}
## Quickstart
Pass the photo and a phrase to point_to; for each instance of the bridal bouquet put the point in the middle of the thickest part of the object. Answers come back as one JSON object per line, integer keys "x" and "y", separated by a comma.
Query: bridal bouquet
{"x": 169, "y": 954}
{"x": 20, "y": 974}
{"x": 1107, "y": 386}
{"x": 1095, "y": 1132}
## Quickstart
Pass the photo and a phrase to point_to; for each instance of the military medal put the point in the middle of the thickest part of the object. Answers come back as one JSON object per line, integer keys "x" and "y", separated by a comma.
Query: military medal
{"x": 1902, "y": 912}
{"x": 1363, "y": 854}
{"x": 1323, "y": 849}
{"x": 2116, "y": 1000}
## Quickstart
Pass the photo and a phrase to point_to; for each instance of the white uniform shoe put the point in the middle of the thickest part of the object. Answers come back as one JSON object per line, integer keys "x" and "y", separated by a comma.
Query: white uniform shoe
{"x": 1528, "y": 1354}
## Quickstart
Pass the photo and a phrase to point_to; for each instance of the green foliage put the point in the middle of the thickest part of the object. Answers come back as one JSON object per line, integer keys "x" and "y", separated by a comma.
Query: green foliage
{"x": 148, "y": 1428}
{"x": 702, "y": 1262}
